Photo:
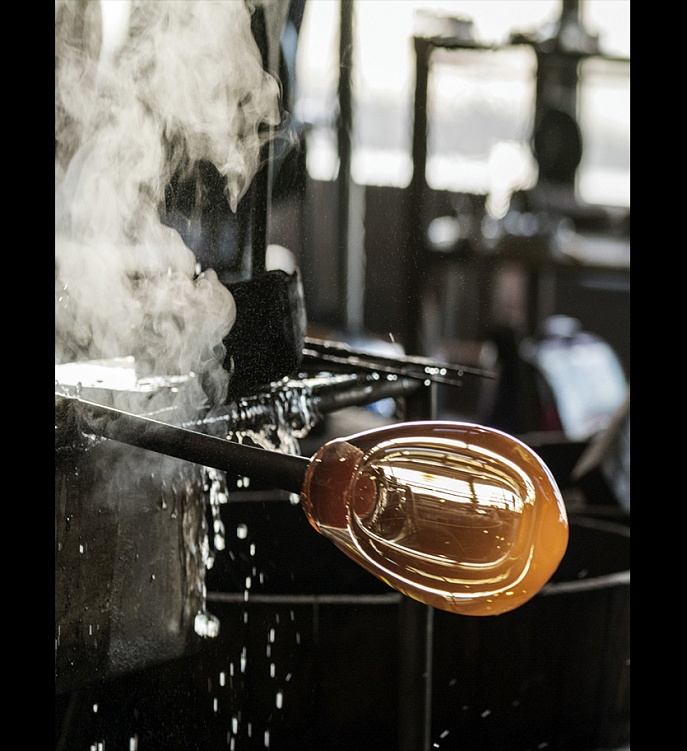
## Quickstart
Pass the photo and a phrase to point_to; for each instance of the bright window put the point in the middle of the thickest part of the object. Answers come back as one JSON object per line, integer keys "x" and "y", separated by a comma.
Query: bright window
{"x": 479, "y": 110}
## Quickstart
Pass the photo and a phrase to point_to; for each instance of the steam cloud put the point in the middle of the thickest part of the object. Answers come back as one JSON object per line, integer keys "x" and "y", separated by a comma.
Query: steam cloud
{"x": 186, "y": 83}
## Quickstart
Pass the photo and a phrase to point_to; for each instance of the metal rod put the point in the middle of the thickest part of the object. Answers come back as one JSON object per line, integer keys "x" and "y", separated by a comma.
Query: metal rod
{"x": 409, "y": 366}
{"x": 283, "y": 471}
{"x": 262, "y": 184}
{"x": 328, "y": 393}
{"x": 393, "y": 598}
{"x": 351, "y": 251}
{"x": 414, "y": 259}
{"x": 416, "y": 630}
{"x": 363, "y": 392}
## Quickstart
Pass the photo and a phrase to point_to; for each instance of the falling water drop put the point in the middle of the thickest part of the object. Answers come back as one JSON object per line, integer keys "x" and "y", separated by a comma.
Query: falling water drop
{"x": 206, "y": 625}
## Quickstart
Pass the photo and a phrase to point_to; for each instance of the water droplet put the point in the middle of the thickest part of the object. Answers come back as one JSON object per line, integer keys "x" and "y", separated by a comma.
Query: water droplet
{"x": 206, "y": 625}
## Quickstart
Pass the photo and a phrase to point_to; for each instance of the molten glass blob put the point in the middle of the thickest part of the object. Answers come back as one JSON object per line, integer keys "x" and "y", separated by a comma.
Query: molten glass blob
{"x": 458, "y": 516}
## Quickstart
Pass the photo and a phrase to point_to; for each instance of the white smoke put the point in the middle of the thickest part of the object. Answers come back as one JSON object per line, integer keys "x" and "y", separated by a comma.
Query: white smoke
{"x": 184, "y": 83}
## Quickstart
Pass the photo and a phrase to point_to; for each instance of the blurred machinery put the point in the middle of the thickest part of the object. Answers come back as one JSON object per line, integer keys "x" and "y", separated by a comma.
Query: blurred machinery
{"x": 483, "y": 289}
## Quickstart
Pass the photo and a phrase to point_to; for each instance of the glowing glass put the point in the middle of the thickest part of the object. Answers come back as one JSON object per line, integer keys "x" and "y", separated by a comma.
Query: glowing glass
{"x": 459, "y": 516}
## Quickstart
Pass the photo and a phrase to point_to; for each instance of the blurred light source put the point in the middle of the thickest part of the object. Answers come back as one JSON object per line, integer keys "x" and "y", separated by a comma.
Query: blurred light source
{"x": 383, "y": 80}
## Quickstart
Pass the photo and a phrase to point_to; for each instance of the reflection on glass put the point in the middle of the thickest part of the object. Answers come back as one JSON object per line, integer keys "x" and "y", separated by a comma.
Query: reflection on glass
{"x": 459, "y": 516}
{"x": 428, "y": 504}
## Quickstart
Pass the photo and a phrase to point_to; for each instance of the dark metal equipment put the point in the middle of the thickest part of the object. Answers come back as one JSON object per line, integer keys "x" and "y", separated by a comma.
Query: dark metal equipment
{"x": 132, "y": 526}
